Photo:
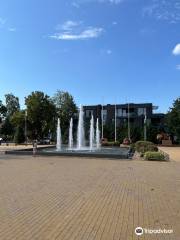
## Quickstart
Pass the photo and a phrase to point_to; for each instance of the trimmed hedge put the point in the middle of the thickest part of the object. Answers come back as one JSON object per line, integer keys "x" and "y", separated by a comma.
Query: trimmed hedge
{"x": 156, "y": 156}
{"x": 145, "y": 146}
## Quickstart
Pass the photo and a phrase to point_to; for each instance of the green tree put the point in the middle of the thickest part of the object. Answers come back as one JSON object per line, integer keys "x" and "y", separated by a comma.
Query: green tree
{"x": 65, "y": 108}
{"x": 19, "y": 135}
{"x": 173, "y": 118}
{"x": 12, "y": 104}
{"x": 153, "y": 131}
{"x": 109, "y": 132}
{"x": 136, "y": 133}
{"x": 18, "y": 122}
{"x": 18, "y": 119}
{"x": 41, "y": 114}
{"x": 3, "y": 111}
{"x": 7, "y": 129}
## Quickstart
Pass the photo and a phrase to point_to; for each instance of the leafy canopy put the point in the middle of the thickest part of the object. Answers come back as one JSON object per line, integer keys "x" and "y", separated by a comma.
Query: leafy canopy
{"x": 173, "y": 118}
{"x": 40, "y": 113}
{"x": 12, "y": 104}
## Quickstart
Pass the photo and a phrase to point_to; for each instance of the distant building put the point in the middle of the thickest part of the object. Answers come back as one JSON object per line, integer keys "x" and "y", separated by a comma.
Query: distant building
{"x": 137, "y": 114}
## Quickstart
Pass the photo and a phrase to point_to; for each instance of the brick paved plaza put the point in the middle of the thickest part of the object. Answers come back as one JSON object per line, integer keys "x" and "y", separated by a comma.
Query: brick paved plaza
{"x": 87, "y": 199}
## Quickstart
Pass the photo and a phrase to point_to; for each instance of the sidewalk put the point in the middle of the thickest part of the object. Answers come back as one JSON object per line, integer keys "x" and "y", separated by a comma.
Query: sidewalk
{"x": 60, "y": 198}
{"x": 174, "y": 152}
{"x": 4, "y": 148}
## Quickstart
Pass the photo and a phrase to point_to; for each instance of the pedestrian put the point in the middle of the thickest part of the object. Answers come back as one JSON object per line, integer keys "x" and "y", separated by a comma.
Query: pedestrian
{"x": 34, "y": 147}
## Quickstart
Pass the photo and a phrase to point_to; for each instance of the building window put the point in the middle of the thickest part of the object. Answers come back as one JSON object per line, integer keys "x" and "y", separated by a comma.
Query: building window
{"x": 141, "y": 111}
{"x": 119, "y": 112}
{"x": 104, "y": 115}
{"x": 89, "y": 113}
{"x": 124, "y": 113}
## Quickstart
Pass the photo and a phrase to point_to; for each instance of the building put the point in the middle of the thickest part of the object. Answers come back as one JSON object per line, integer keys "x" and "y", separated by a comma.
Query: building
{"x": 136, "y": 113}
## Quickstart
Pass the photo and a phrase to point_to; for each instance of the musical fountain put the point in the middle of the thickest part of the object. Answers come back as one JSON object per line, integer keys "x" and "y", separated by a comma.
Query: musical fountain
{"x": 80, "y": 148}
{"x": 58, "y": 142}
{"x": 94, "y": 142}
{"x": 70, "y": 144}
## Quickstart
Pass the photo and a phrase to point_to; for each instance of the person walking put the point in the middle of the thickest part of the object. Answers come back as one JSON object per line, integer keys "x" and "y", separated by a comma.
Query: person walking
{"x": 34, "y": 147}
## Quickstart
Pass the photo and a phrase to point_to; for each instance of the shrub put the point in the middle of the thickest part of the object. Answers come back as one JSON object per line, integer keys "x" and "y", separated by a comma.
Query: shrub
{"x": 154, "y": 156}
{"x": 132, "y": 146}
{"x": 116, "y": 144}
{"x": 145, "y": 146}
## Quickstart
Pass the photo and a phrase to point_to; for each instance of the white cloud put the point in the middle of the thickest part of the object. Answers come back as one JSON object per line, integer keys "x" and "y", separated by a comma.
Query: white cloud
{"x": 2, "y": 22}
{"x": 111, "y": 1}
{"x": 12, "y": 29}
{"x": 105, "y": 51}
{"x": 71, "y": 30}
{"x": 68, "y": 25}
{"x": 109, "y": 51}
{"x": 176, "y": 50}
{"x": 78, "y": 2}
{"x": 167, "y": 10}
{"x": 147, "y": 32}
{"x": 75, "y": 4}
{"x": 86, "y": 34}
{"x": 178, "y": 67}
{"x": 114, "y": 23}
{"x": 4, "y": 25}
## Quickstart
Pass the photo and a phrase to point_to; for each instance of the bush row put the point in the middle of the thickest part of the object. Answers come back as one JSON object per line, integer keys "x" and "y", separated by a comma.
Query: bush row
{"x": 148, "y": 150}
{"x": 154, "y": 156}
{"x": 145, "y": 146}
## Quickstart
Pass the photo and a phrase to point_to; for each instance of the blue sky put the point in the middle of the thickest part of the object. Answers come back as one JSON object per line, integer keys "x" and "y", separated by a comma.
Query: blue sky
{"x": 119, "y": 50}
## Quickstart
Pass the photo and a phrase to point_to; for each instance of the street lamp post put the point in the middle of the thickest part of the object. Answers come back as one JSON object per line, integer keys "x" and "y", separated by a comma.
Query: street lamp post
{"x": 102, "y": 122}
{"x": 25, "y": 127}
{"x": 115, "y": 122}
{"x": 145, "y": 125}
{"x": 129, "y": 130}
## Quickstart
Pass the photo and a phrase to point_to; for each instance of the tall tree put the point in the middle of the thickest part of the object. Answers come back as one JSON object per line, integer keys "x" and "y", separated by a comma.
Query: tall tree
{"x": 18, "y": 118}
{"x": 3, "y": 111}
{"x": 7, "y": 129}
{"x": 173, "y": 118}
{"x": 12, "y": 104}
{"x": 18, "y": 122}
{"x": 40, "y": 113}
{"x": 65, "y": 108}
{"x": 19, "y": 135}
